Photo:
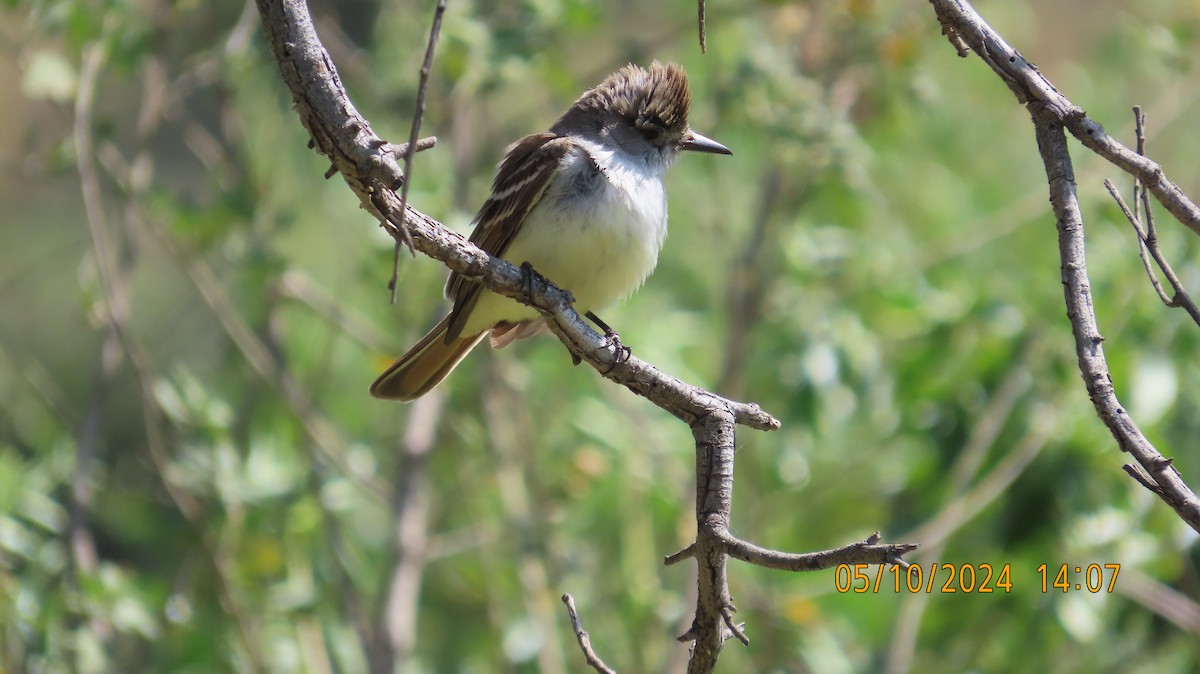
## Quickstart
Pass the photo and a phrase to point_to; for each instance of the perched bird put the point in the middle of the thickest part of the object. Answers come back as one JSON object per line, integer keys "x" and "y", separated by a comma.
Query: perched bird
{"x": 583, "y": 203}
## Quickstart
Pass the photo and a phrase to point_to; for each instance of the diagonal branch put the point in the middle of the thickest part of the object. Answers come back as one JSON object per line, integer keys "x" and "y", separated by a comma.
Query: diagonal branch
{"x": 1052, "y": 115}
{"x": 369, "y": 166}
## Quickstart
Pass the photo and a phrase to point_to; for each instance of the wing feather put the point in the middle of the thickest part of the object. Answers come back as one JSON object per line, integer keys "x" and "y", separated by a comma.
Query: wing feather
{"x": 521, "y": 181}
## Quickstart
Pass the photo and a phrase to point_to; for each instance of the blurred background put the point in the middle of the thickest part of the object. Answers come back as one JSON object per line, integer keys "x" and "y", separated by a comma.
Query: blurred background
{"x": 194, "y": 479}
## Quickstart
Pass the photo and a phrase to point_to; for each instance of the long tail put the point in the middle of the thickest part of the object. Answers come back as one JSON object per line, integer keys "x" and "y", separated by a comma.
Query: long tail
{"x": 424, "y": 366}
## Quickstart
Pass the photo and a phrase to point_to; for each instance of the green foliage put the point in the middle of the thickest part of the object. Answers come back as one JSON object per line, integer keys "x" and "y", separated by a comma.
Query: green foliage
{"x": 210, "y": 488}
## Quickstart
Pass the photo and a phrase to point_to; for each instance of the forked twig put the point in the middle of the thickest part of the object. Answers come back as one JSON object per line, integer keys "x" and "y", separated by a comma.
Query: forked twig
{"x": 1148, "y": 247}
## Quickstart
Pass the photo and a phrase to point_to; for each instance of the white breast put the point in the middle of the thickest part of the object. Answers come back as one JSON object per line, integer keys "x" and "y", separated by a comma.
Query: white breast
{"x": 597, "y": 236}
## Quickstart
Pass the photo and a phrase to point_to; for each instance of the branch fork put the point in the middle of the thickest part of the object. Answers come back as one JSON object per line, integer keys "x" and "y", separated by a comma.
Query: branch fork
{"x": 371, "y": 169}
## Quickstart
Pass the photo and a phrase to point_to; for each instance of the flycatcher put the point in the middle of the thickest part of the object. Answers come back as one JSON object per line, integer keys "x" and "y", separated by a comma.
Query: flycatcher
{"x": 584, "y": 204}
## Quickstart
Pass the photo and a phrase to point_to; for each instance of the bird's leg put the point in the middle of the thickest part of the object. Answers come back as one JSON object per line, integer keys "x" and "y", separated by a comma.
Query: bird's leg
{"x": 611, "y": 338}
{"x": 530, "y": 276}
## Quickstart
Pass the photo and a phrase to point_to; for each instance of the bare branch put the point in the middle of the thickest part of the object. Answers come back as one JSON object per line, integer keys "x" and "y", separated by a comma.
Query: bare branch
{"x": 339, "y": 132}
{"x": 712, "y": 623}
{"x": 714, "y": 435}
{"x": 863, "y": 552}
{"x": 1052, "y": 113}
{"x": 1088, "y": 341}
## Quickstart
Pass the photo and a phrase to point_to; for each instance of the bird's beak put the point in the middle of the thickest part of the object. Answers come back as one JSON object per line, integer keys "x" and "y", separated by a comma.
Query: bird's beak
{"x": 696, "y": 142}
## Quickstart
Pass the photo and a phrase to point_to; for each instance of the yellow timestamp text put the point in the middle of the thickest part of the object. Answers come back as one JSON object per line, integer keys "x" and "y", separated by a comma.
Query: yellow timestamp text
{"x": 1090, "y": 577}
{"x": 947, "y": 578}
{"x": 944, "y": 578}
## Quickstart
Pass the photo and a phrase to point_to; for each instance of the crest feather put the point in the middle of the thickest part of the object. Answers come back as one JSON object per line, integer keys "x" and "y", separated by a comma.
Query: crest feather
{"x": 645, "y": 97}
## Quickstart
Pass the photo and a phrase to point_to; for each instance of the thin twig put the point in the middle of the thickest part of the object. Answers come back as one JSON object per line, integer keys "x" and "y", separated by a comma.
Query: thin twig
{"x": 736, "y": 629}
{"x": 676, "y": 557}
{"x": 1142, "y": 237}
{"x": 1150, "y": 241}
{"x": 1142, "y": 477}
{"x": 1148, "y": 249}
{"x": 1140, "y": 199}
{"x": 1139, "y": 191}
{"x": 867, "y": 551}
{"x": 411, "y": 147}
{"x": 585, "y": 642}
{"x": 701, "y": 21}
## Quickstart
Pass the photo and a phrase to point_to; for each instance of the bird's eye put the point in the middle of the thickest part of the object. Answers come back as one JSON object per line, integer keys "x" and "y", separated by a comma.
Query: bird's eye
{"x": 654, "y": 122}
{"x": 652, "y": 126}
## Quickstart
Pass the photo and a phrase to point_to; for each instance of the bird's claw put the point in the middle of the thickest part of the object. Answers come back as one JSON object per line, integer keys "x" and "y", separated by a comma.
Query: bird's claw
{"x": 611, "y": 339}
{"x": 530, "y": 275}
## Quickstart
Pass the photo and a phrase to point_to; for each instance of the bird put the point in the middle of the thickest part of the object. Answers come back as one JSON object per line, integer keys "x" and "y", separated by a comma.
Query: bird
{"x": 583, "y": 204}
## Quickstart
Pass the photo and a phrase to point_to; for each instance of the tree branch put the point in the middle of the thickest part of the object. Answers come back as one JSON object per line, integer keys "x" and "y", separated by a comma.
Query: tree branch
{"x": 369, "y": 166}
{"x": 1052, "y": 115}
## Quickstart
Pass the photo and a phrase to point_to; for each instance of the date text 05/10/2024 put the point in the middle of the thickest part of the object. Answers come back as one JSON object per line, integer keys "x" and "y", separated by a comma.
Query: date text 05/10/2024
{"x": 947, "y": 578}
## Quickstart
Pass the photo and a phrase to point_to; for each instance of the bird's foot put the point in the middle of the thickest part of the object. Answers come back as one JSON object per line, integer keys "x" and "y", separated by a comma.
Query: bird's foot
{"x": 611, "y": 338}
{"x": 530, "y": 276}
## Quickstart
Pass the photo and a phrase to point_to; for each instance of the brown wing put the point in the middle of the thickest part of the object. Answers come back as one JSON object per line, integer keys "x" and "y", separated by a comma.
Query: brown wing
{"x": 521, "y": 180}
